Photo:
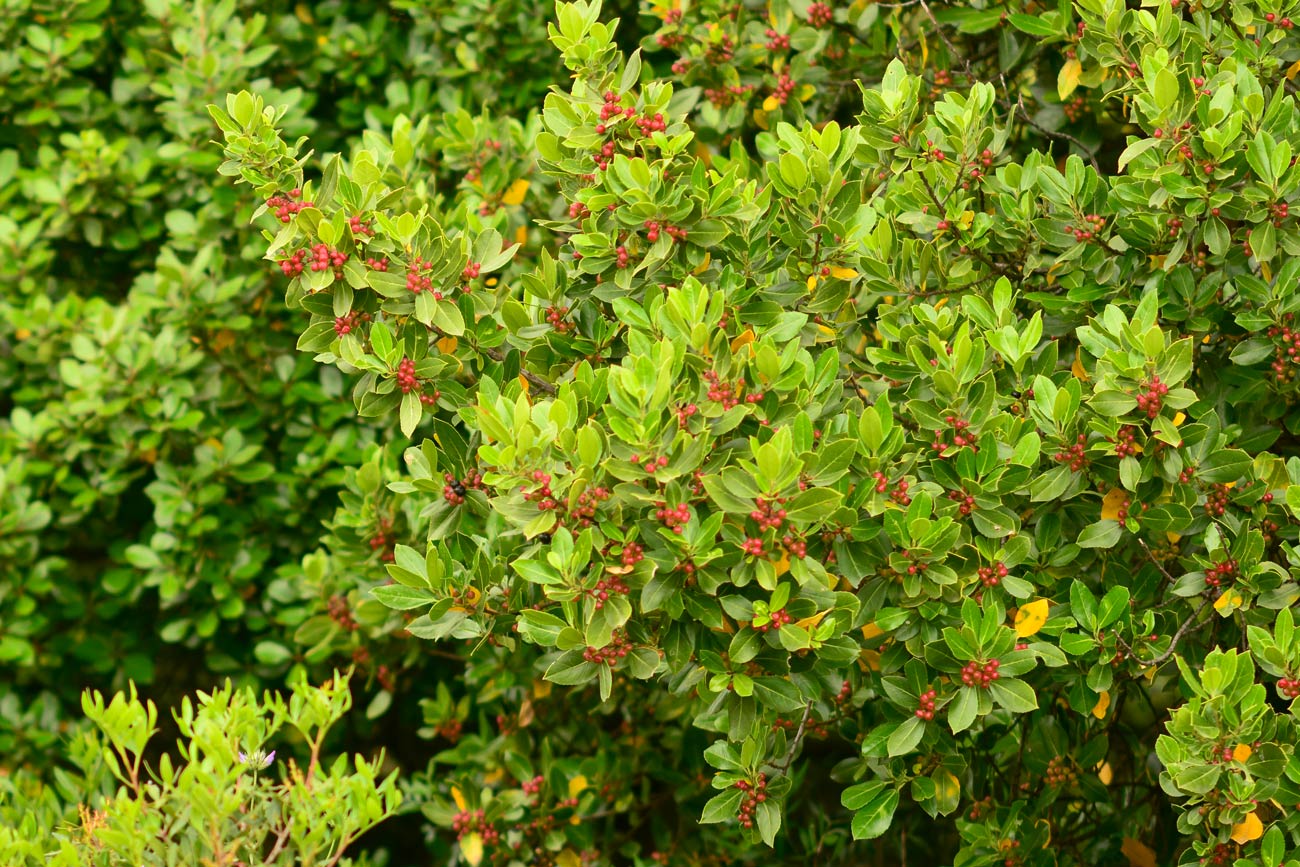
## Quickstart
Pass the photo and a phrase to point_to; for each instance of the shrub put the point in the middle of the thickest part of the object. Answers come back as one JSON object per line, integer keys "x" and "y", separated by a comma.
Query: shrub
{"x": 885, "y": 411}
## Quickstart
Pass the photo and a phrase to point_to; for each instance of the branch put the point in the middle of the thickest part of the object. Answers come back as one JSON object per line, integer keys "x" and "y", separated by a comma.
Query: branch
{"x": 798, "y": 738}
{"x": 533, "y": 379}
{"x": 1182, "y": 630}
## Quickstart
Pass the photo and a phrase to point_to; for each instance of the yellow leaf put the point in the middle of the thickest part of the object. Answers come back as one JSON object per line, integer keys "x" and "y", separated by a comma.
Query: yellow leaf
{"x": 1105, "y": 774}
{"x": 811, "y": 622}
{"x": 214, "y": 442}
{"x": 515, "y": 195}
{"x": 760, "y": 118}
{"x": 523, "y": 381}
{"x": 1103, "y": 703}
{"x": 1077, "y": 367}
{"x": 1112, "y": 503}
{"x": 777, "y": 66}
{"x": 448, "y": 345}
{"x": 23, "y": 333}
{"x": 303, "y": 11}
{"x": 843, "y": 273}
{"x": 577, "y": 785}
{"x": 869, "y": 660}
{"x": 946, "y": 786}
{"x": 1250, "y": 828}
{"x": 526, "y": 713}
{"x": 459, "y": 799}
{"x": 871, "y": 630}
{"x": 1241, "y": 752}
{"x": 322, "y": 40}
{"x": 812, "y": 282}
{"x": 965, "y": 220}
{"x": 1229, "y": 600}
{"x": 806, "y": 92}
{"x": 771, "y": 104}
{"x": 224, "y": 340}
{"x": 1031, "y": 617}
{"x": 1173, "y": 538}
{"x": 1292, "y": 70}
{"x": 568, "y": 858}
{"x": 783, "y": 565}
{"x": 495, "y": 777}
{"x": 521, "y": 235}
{"x": 1068, "y": 79}
{"x": 1179, "y": 418}
{"x": 471, "y": 847}
{"x": 1266, "y": 271}
{"x": 745, "y": 338}
{"x": 1139, "y": 854}
{"x": 541, "y": 688}
{"x": 703, "y": 266}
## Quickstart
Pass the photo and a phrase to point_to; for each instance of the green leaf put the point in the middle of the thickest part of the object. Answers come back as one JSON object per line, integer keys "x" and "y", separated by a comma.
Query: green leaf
{"x": 906, "y": 736}
{"x": 402, "y": 597}
{"x": 1014, "y": 695}
{"x": 962, "y": 711}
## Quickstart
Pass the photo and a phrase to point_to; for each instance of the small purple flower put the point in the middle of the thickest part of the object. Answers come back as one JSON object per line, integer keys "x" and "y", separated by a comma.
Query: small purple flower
{"x": 257, "y": 760}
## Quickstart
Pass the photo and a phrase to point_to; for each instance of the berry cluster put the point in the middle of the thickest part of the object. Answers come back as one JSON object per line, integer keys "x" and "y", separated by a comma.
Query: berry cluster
{"x": 981, "y": 808}
{"x": 578, "y": 210}
{"x": 685, "y": 412}
{"x": 819, "y": 14}
{"x": 721, "y": 51}
{"x": 292, "y": 266}
{"x": 768, "y": 514}
{"x": 1075, "y": 109}
{"x": 633, "y": 553}
{"x": 1093, "y": 224}
{"x": 653, "y": 228}
{"x": 1222, "y": 854}
{"x": 776, "y": 41}
{"x": 605, "y": 586}
{"x": 917, "y": 566}
{"x": 898, "y": 493}
{"x": 651, "y": 465}
{"x": 1221, "y": 573}
{"x": 383, "y": 540}
{"x": 621, "y": 257}
{"x": 472, "y": 821}
{"x": 651, "y": 124}
{"x": 1284, "y": 23}
{"x": 991, "y": 576}
{"x": 673, "y": 517}
{"x": 1279, "y": 212}
{"x": 470, "y": 271}
{"x": 533, "y": 786}
{"x": 798, "y": 548}
{"x": 611, "y": 654}
{"x": 418, "y": 281}
{"x": 584, "y": 510}
{"x": 1289, "y": 687}
{"x": 611, "y": 110}
{"x": 345, "y": 324}
{"x": 1126, "y": 444}
{"x": 966, "y": 501}
{"x": 542, "y": 495}
{"x": 757, "y": 794}
{"x": 377, "y": 264}
{"x": 975, "y": 674}
{"x": 776, "y": 619}
{"x": 753, "y": 547}
{"x": 721, "y": 97}
{"x": 1286, "y": 353}
{"x": 406, "y": 378}
{"x": 959, "y": 430}
{"x": 1216, "y": 500}
{"x": 341, "y": 613}
{"x": 1060, "y": 772}
{"x": 360, "y": 227}
{"x": 1152, "y": 400}
{"x": 1075, "y": 454}
{"x": 455, "y": 489}
{"x": 925, "y": 705}
{"x": 605, "y": 155}
{"x": 784, "y": 88}
{"x": 555, "y": 316}
{"x": 285, "y": 207}
{"x": 325, "y": 257}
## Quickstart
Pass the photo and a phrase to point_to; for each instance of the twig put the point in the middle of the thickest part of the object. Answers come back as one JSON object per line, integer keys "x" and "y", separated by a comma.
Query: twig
{"x": 1182, "y": 630}
{"x": 1169, "y": 579}
{"x": 533, "y": 379}
{"x": 280, "y": 840}
{"x": 798, "y": 738}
